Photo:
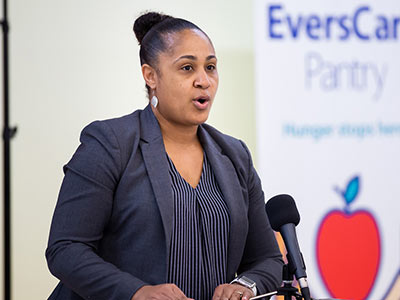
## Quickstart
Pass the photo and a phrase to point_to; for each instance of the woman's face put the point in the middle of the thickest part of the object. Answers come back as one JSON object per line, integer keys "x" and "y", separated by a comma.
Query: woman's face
{"x": 187, "y": 79}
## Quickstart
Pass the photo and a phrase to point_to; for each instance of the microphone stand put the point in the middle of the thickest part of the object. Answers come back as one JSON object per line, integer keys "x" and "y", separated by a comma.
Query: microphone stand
{"x": 8, "y": 133}
{"x": 288, "y": 290}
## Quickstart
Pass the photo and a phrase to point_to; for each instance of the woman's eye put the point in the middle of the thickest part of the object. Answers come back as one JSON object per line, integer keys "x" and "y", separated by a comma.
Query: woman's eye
{"x": 211, "y": 67}
{"x": 187, "y": 68}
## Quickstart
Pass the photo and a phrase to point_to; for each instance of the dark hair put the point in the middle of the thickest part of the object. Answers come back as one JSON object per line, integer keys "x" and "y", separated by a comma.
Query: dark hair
{"x": 151, "y": 29}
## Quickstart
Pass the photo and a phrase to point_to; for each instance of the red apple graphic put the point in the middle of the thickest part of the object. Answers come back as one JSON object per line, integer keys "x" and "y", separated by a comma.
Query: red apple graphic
{"x": 348, "y": 249}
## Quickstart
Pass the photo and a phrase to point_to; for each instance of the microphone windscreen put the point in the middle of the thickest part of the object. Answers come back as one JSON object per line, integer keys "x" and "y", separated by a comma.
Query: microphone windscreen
{"x": 281, "y": 210}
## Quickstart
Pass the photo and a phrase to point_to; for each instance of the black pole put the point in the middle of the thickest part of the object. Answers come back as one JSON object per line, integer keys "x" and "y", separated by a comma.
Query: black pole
{"x": 8, "y": 133}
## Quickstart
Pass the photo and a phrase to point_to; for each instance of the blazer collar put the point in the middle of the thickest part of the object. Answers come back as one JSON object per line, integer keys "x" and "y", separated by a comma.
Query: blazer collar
{"x": 155, "y": 159}
{"x": 149, "y": 127}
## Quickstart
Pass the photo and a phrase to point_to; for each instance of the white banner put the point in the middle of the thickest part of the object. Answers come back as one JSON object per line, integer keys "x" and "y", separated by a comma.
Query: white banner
{"x": 328, "y": 122}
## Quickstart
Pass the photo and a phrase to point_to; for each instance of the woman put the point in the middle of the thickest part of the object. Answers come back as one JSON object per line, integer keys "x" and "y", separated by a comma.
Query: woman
{"x": 157, "y": 204}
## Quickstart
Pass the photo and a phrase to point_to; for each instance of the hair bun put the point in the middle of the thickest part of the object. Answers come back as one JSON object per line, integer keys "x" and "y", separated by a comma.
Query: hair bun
{"x": 145, "y": 22}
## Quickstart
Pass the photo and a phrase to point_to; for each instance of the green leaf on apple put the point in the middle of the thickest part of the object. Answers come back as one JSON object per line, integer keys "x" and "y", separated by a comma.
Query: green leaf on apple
{"x": 351, "y": 191}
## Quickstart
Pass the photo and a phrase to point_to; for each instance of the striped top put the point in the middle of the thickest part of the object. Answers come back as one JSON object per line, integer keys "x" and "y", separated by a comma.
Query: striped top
{"x": 199, "y": 246}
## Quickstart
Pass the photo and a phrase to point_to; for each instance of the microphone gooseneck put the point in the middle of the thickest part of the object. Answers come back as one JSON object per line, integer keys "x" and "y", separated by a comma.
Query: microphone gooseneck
{"x": 283, "y": 217}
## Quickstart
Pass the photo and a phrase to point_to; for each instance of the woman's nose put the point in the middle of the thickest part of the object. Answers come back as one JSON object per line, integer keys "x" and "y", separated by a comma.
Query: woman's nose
{"x": 202, "y": 80}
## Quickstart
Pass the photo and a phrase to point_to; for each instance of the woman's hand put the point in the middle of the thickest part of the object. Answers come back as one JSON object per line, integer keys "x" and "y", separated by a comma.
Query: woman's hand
{"x": 232, "y": 292}
{"x": 159, "y": 292}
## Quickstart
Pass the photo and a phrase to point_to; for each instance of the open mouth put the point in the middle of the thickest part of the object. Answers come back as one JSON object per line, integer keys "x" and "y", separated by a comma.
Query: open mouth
{"x": 201, "y": 100}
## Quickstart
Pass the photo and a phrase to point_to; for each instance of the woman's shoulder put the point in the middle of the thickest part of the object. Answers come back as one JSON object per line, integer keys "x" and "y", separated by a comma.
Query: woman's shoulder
{"x": 121, "y": 124}
{"x": 123, "y": 128}
{"x": 215, "y": 133}
{"x": 229, "y": 145}
{"x": 120, "y": 135}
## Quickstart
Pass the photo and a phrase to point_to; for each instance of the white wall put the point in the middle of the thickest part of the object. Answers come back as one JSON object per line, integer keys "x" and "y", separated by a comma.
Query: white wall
{"x": 76, "y": 61}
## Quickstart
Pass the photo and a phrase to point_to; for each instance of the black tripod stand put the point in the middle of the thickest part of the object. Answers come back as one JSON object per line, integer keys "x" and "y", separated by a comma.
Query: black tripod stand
{"x": 8, "y": 133}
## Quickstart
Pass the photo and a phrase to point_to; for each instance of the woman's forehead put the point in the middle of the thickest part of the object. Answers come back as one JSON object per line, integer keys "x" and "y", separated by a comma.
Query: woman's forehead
{"x": 188, "y": 42}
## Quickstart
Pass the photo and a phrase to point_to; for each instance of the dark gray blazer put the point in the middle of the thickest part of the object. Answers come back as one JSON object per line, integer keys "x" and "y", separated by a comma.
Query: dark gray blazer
{"x": 111, "y": 228}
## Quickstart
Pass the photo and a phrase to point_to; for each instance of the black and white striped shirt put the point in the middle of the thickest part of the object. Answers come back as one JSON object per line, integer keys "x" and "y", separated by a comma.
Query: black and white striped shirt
{"x": 199, "y": 246}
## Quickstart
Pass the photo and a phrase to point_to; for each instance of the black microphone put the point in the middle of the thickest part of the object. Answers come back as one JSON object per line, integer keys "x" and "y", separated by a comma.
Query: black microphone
{"x": 284, "y": 216}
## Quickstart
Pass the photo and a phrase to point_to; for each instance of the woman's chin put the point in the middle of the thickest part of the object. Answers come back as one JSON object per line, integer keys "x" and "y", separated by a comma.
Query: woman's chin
{"x": 202, "y": 118}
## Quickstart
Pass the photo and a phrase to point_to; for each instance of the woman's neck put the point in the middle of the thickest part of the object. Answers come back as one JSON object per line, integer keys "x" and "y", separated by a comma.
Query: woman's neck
{"x": 176, "y": 133}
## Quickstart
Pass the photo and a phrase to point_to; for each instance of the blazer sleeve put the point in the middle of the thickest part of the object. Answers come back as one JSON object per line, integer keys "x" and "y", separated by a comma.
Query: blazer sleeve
{"x": 262, "y": 259}
{"x": 83, "y": 209}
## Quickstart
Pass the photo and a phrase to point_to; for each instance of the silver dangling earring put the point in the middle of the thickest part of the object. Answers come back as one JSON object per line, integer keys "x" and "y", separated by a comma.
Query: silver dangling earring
{"x": 154, "y": 101}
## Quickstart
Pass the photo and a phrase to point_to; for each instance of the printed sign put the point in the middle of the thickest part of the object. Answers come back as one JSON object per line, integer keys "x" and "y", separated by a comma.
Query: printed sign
{"x": 328, "y": 133}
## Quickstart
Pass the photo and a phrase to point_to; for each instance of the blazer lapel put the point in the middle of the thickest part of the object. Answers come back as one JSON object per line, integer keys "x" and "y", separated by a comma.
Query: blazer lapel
{"x": 228, "y": 181}
{"x": 156, "y": 163}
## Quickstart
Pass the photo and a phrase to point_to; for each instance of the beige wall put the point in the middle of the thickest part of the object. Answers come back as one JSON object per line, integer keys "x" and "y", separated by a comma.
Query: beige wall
{"x": 76, "y": 61}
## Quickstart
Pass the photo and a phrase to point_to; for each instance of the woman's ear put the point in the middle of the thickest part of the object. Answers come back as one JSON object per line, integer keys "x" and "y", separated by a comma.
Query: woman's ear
{"x": 149, "y": 75}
